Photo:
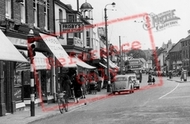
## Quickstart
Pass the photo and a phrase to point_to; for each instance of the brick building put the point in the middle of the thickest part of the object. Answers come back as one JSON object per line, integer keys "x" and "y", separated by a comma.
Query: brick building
{"x": 17, "y": 18}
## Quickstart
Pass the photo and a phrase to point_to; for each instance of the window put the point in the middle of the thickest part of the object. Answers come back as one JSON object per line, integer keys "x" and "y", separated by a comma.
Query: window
{"x": 71, "y": 18}
{"x": 35, "y": 11}
{"x": 60, "y": 15}
{"x": 8, "y": 7}
{"x": 186, "y": 54}
{"x": 46, "y": 14}
{"x": 60, "y": 20}
{"x": 183, "y": 54}
{"x": 23, "y": 12}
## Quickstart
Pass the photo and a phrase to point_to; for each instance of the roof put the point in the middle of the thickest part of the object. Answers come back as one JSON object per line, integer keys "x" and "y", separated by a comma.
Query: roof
{"x": 187, "y": 38}
{"x": 86, "y": 6}
{"x": 176, "y": 47}
{"x": 159, "y": 51}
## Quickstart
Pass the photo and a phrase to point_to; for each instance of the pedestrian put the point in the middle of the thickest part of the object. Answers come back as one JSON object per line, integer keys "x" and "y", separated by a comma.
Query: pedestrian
{"x": 105, "y": 81}
{"x": 77, "y": 86}
{"x": 83, "y": 83}
{"x": 66, "y": 83}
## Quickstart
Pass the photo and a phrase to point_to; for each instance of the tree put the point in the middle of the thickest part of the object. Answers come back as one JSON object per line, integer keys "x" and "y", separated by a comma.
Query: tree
{"x": 137, "y": 53}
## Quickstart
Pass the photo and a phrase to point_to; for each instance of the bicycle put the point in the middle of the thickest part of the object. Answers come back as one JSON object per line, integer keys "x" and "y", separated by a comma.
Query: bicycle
{"x": 62, "y": 102}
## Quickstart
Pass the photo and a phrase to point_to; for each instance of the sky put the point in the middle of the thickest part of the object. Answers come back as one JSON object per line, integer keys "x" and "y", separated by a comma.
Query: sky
{"x": 131, "y": 31}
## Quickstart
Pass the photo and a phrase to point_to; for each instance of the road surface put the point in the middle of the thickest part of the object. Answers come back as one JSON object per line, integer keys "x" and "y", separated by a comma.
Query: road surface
{"x": 168, "y": 103}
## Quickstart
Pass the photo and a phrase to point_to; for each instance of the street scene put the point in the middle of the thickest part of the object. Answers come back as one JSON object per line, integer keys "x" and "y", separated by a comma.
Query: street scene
{"x": 94, "y": 62}
{"x": 160, "y": 105}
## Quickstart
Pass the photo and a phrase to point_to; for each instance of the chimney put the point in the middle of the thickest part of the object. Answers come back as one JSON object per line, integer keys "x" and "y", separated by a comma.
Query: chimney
{"x": 188, "y": 32}
{"x": 78, "y": 5}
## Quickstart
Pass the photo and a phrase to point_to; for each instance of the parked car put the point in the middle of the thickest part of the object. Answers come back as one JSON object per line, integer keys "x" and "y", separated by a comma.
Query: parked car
{"x": 123, "y": 83}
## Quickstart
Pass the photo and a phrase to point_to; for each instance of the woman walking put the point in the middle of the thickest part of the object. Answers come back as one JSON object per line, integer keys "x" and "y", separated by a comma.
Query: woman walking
{"x": 77, "y": 87}
{"x": 66, "y": 83}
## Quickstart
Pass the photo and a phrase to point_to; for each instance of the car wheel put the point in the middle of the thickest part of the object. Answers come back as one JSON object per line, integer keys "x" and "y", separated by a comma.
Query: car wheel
{"x": 132, "y": 91}
{"x": 113, "y": 92}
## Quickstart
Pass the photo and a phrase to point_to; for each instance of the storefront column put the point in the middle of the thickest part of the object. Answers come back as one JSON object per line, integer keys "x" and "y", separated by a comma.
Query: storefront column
{"x": 9, "y": 87}
{"x": 13, "y": 102}
{"x": 53, "y": 78}
{"x": 2, "y": 97}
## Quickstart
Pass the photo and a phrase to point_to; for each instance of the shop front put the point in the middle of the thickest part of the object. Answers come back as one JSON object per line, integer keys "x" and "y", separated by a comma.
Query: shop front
{"x": 42, "y": 78}
{"x": 61, "y": 61}
{"x": 10, "y": 91}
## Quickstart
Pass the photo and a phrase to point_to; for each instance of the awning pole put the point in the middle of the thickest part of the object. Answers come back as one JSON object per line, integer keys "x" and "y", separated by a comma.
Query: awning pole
{"x": 54, "y": 76}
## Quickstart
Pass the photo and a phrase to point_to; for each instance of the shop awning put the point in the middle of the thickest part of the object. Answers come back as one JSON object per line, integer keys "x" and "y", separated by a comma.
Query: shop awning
{"x": 102, "y": 65}
{"x": 8, "y": 51}
{"x": 81, "y": 63}
{"x": 41, "y": 62}
{"x": 56, "y": 48}
{"x": 112, "y": 65}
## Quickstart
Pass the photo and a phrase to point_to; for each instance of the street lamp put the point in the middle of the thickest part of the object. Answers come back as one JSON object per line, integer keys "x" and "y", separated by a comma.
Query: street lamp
{"x": 107, "y": 49}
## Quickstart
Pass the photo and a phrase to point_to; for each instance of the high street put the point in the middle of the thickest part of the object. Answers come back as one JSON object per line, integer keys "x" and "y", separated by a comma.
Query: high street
{"x": 166, "y": 104}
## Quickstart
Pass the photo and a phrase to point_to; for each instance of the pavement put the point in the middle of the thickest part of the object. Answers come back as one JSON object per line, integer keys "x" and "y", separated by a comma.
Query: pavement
{"x": 177, "y": 79}
{"x": 49, "y": 110}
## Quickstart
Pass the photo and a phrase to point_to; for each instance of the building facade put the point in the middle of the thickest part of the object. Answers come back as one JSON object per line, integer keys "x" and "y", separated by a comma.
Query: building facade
{"x": 175, "y": 57}
{"x": 17, "y": 19}
{"x": 185, "y": 53}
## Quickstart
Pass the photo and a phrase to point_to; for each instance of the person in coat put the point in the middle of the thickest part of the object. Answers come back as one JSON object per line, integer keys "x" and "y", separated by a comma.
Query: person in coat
{"x": 66, "y": 83}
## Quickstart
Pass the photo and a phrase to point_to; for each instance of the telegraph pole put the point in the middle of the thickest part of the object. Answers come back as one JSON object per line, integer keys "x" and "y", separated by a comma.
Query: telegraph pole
{"x": 120, "y": 54}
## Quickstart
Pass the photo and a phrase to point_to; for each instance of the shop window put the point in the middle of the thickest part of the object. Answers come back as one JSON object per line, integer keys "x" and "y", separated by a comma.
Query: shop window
{"x": 45, "y": 83}
{"x": 18, "y": 85}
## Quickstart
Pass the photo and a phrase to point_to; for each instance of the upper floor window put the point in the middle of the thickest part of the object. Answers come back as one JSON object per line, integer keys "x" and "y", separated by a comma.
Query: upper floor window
{"x": 46, "y": 14}
{"x": 35, "y": 11}
{"x": 23, "y": 12}
{"x": 71, "y": 18}
{"x": 60, "y": 20}
{"x": 8, "y": 7}
{"x": 60, "y": 15}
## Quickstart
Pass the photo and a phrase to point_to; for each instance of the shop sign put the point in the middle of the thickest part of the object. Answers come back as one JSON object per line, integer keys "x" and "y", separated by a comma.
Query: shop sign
{"x": 72, "y": 26}
{"x": 18, "y": 41}
{"x": 17, "y": 93}
{"x": 77, "y": 42}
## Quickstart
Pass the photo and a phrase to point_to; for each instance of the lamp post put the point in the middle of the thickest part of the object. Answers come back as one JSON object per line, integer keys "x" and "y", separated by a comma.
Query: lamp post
{"x": 107, "y": 49}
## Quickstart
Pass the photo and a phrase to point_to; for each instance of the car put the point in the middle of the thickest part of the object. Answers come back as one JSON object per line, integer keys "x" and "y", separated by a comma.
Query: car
{"x": 123, "y": 83}
{"x": 138, "y": 78}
